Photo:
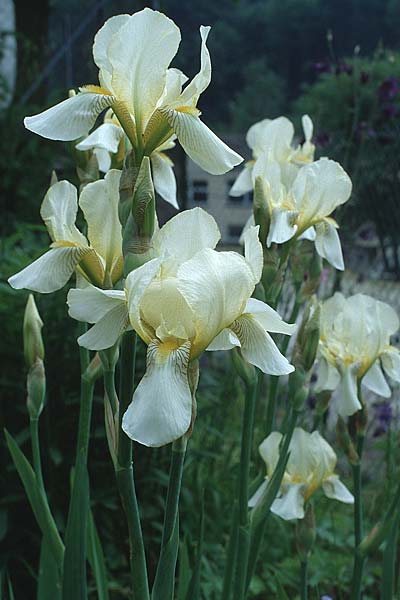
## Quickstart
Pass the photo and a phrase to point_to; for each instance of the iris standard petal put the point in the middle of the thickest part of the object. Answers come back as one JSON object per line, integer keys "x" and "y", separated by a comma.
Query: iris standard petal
{"x": 268, "y": 317}
{"x": 99, "y": 203}
{"x": 391, "y": 362}
{"x": 139, "y": 54}
{"x": 107, "y": 136}
{"x": 58, "y": 211}
{"x": 186, "y": 234}
{"x": 243, "y": 183}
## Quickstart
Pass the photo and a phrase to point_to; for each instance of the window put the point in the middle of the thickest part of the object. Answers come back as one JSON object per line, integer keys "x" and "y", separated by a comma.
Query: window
{"x": 234, "y": 232}
{"x": 200, "y": 190}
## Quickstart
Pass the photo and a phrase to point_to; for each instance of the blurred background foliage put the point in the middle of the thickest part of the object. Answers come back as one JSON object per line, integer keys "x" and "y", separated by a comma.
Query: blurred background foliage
{"x": 338, "y": 61}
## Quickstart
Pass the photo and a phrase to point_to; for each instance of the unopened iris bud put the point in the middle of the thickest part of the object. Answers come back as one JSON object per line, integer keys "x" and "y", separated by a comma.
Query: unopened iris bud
{"x": 298, "y": 388}
{"x": 262, "y": 214}
{"x": 308, "y": 337}
{"x": 140, "y": 223}
{"x": 33, "y": 342}
{"x": 36, "y": 388}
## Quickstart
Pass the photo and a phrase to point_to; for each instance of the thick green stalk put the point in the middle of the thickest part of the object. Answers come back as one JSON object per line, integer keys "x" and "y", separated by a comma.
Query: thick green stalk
{"x": 164, "y": 581}
{"x": 231, "y": 556}
{"x": 109, "y": 386}
{"x": 37, "y": 463}
{"x": 243, "y": 524}
{"x": 389, "y": 562}
{"x": 303, "y": 579}
{"x": 124, "y": 472}
{"x": 359, "y": 559}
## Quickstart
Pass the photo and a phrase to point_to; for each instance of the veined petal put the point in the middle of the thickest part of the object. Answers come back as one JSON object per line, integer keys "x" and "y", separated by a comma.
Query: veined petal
{"x": 258, "y": 347}
{"x": 161, "y": 407}
{"x": 268, "y": 317}
{"x": 164, "y": 178}
{"x": 71, "y": 118}
{"x": 253, "y": 251}
{"x": 201, "y": 81}
{"x": 90, "y": 304}
{"x": 107, "y": 330}
{"x": 139, "y": 54}
{"x": 173, "y": 86}
{"x": 348, "y": 402}
{"x": 201, "y": 144}
{"x": 376, "y": 382}
{"x": 58, "y": 211}
{"x": 107, "y": 136}
{"x": 334, "y": 488}
{"x": 99, "y": 203}
{"x": 258, "y": 494}
{"x": 290, "y": 505}
{"x": 282, "y": 226}
{"x": 101, "y": 44}
{"x": 185, "y": 234}
{"x": 225, "y": 340}
{"x": 51, "y": 271}
{"x": 391, "y": 362}
{"x": 327, "y": 243}
{"x": 273, "y": 137}
{"x": 243, "y": 183}
{"x": 136, "y": 285}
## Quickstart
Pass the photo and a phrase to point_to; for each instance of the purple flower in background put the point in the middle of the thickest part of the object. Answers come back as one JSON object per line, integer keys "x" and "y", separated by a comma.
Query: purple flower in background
{"x": 322, "y": 139}
{"x": 322, "y": 67}
{"x": 388, "y": 89}
{"x": 383, "y": 417}
{"x": 389, "y": 111}
{"x": 344, "y": 67}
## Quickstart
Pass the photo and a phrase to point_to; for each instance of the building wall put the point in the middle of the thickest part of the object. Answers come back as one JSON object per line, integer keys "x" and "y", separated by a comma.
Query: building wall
{"x": 211, "y": 192}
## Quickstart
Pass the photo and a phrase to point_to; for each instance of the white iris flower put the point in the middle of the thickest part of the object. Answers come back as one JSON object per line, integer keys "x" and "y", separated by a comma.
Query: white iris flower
{"x": 354, "y": 345}
{"x": 310, "y": 466}
{"x": 98, "y": 258}
{"x": 133, "y": 53}
{"x": 186, "y": 299}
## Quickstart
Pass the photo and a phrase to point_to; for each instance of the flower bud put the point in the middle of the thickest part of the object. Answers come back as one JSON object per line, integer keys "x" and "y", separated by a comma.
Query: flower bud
{"x": 305, "y": 532}
{"x": 139, "y": 226}
{"x": 33, "y": 342}
{"x": 262, "y": 216}
{"x": 298, "y": 388}
{"x": 36, "y": 388}
{"x": 308, "y": 337}
{"x": 272, "y": 275}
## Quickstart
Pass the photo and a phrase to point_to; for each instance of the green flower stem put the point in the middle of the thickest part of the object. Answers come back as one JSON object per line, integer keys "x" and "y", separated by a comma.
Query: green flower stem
{"x": 231, "y": 556}
{"x": 174, "y": 488}
{"x": 109, "y": 386}
{"x": 359, "y": 559}
{"x": 243, "y": 523}
{"x": 303, "y": 579}
{"x": 124, "y": 473}
{"x": 37, "y": 463}
{"x": 389, "y": 562}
